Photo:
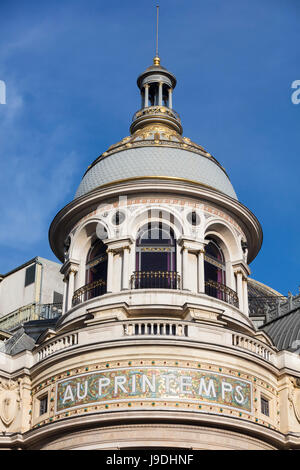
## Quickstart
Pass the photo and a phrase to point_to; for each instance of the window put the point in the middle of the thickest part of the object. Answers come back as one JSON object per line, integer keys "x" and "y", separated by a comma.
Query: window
{"x": 118, "y": 218}
{"x": 214, "y": 271}
{"x": 214, "y": 264}
{"x": 193, "y": 218}
{"x": 57, "y": 298}
{"x": 265, "y": 409}
{"x": 156, "y": 257}
{"x": 96, "y": 263}
{"x": 43, "y": 404}
{"x": 30, "y": 275}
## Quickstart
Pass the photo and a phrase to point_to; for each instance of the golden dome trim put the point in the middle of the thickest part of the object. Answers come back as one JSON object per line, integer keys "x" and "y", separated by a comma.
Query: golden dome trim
{"x": 163, "y": 136}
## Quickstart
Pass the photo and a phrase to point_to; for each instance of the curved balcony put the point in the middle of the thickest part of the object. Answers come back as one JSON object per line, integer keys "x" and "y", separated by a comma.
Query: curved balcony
{"x": 89, "y": 291}
{"x": 221, "y": 292}
{"x": 155, "y": 280}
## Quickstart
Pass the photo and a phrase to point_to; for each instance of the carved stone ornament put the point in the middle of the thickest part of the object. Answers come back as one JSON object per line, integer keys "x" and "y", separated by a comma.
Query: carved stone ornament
{"x": 10, "y": 400}
{"x": 294, "y": 396}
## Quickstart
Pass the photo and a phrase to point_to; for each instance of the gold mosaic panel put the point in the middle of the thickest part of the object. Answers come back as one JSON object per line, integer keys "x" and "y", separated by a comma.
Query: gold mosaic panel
{"x": 153, "y": 384}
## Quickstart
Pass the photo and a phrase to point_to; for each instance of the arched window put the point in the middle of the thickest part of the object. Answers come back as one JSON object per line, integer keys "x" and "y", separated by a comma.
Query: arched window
{"x": 214, "y": 262}
{"x": 156, "y": 257}
{"x": 96, "y": 269}
{"x": 214, "y": 270}
{"x": 95, "y": 274}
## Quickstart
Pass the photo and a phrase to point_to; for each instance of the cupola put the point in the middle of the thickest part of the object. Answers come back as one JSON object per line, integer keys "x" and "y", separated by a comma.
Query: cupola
{"x": 156, "y": 85}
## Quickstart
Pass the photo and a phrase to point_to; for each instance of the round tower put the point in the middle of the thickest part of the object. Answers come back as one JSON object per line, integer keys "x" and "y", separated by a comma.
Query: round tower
{"x": 155, "y": 347}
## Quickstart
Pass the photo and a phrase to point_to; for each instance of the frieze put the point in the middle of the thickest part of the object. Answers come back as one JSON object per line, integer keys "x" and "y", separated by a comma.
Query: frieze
{"x": 209, "y": 210}
{"x": 185, "y": 385}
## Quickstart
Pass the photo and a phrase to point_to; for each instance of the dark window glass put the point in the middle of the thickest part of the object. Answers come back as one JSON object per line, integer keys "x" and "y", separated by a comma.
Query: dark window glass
{"x": 193, "y": 218}
{"x": 212, "y": 250}
{"x": 30, "y": 275}
{"x": 43, "y": 405}
{"x": 57, "y": 298}
{"x": 214, "y": 265}
{"x": 156, "y": 248}
{"x": 156, "y": 257}
{"x": 265, "y": 406}
{"x": 96, "y": 266}
{"x": 118, "y": 218}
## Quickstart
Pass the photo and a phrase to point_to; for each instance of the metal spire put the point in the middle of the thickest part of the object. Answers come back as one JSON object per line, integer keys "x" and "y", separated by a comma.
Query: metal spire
{"x": 156, "y": 59}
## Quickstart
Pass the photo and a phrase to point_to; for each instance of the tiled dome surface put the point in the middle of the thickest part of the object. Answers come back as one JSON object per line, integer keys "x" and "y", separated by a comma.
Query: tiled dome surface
{"x": 155, "y": 161}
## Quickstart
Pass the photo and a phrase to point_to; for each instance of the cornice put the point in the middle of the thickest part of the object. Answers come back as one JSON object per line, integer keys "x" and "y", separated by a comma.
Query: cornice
{"x": 65, "y": 220}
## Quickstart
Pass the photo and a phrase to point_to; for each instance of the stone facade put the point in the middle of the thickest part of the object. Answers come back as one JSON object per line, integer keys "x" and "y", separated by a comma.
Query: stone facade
{"x": 157, "y": 357}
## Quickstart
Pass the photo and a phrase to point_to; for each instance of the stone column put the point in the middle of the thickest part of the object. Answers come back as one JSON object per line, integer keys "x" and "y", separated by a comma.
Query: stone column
{"x": 125, "y": 270}
{"x": 146, "y": 104}
{"x": 71, "y": 287}
{"x": 110, "y": 269}
{"x": 170, "y": 98}
{"x": 64, "y": 309}
{"x": 185, "y": 272}
{"x": 201, "y": 280}
{"x": 239, "y": 288}
{"x": 160, "y": 94}
{"x": 245, "y": 295}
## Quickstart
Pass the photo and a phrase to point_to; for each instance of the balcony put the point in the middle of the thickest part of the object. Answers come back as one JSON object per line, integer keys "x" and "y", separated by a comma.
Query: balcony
{"x": 89, "y": 291}
{"x": 155, "y": 280}
{"x": 221, "y": 292}
{"x": 28, "y": 313}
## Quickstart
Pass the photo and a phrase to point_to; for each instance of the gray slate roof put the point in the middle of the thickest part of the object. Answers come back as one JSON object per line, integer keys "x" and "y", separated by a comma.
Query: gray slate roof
{"x": 19, "y": 342}
{"x": 285, "y": 330}
{"x": 155, "y": 161}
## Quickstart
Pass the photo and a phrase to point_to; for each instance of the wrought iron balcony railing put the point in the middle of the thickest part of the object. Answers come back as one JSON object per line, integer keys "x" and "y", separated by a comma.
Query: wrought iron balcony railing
{"x": 155, "y": 280}
{"x": 222, "y": 292}
{"x": 89, "y": 291}
{"x": 29, "y": 313}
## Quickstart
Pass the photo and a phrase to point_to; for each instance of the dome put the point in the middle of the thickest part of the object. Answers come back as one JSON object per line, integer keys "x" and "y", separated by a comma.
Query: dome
{"x": 156, "y": 147}
{"x": 151, "y": 161}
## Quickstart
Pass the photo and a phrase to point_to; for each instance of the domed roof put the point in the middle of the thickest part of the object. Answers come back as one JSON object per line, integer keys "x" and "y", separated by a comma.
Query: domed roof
{"x": 156, "y": 147}
{"x": 156, "y": 69}
{"x": 284, "y": 327}
{"x": 156, "y": 151}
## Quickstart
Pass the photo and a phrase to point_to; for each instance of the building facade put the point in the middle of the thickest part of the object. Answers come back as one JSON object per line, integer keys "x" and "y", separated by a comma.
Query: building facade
{"x": 31, "y": 291}
{"x": 155, "y": 346}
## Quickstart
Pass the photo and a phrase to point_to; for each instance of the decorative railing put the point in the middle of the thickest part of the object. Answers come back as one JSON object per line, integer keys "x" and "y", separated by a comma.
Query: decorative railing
{"x": 252, "y": 345}
{"x": 28, "y": 313}
{"x": 162, "y": 110}
{"x": 222, "y": 292}
{"x": 89, "y": 291}
{"x": 57, "y": 345}
{"x": 272, "y": 307}
{"x": 155, "y": 328}
{"x": 155, "y": 280}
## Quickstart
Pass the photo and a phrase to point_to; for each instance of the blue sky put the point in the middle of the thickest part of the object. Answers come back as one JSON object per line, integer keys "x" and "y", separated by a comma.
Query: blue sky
{"x": 70, "y": 68}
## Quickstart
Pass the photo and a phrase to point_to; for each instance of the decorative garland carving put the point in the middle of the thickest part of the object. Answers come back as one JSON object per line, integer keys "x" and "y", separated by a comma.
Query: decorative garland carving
{"x": 294, "y": 396}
